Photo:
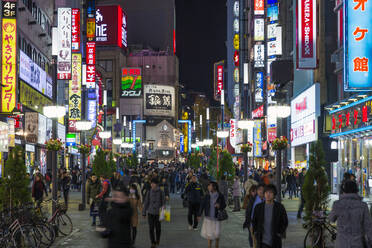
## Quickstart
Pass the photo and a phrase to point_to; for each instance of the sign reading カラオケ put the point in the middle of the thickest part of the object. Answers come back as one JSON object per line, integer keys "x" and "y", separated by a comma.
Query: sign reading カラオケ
{"x": 131, "y": 82}
{"x": 357, "y": 44}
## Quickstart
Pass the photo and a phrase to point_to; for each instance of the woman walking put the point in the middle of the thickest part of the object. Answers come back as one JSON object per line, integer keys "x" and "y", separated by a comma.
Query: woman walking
{"x": 38, "y": 189}
{"x": 135, "y": 203}
{"x": 252, "y": 193}
{"x": 213, "y": 202}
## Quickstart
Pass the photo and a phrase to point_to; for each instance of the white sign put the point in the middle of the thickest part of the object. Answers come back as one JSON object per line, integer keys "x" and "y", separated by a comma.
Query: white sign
{"x": 259, "y": 29}
{"x": 41, "y": 138}
{"x": 4, "y": 137}
{"x": 236, "y": 25}
{"x": 279, "y": 41}
{"x": 259, "y": 55}
{"x": 64, "y": 44}
{"x": 49, "y": 128}
{"x": 30, "y": 148}
{"x": 305, "y": 109}
{"x": 271, "y": 30}
{"x": 233, "y": 127}
{"x": 159, "y": 100}
{"x": 61, "y": 133}
{"x": 236, "y": 8}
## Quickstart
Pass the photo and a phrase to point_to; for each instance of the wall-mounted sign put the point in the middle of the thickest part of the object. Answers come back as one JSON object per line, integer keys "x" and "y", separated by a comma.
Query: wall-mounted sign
{"x": 236, "y": 25}
{"x": 273, "y": 13}
{"x": 131, "y": 82}
{"x": 42, "y": 127}
{"x": 236, "y": 58}
{"x": 9, "y": 67}
{"x": 4, "y": 137}
{"x": 259, "y": 112}
{"x": 236, "y": 8}
{"x": 259, "y": 29}
{"x": 236, "y": 41}
{"x": 259, "y": 7}
{"x": 259, "y": 55}
{"x": 259, "y": 87}
{"x": 31, "y": 127}
{"x": 305, "y": 109}
{"x": 306, "y": 34}
{"x": 74, "y": 89}
{"x": 91, "y": 28}
{"x": 9, "y": 8}
{"x": 32, "y": 99}
{"x": 159, "y": 100}
{"x": 271, "y": 134}
{"x": 91, "y": 65}
{"x": 257, "y": 139}
{"x": 75, "y": 30}
{"x": 233, "y": 127}
{"x": 64, "y": 44}
{"x": 61, "y": 133}
{"x": 71, "y": 139}
{"x": 236, "y": 75}
{"x": 358, "y": 44}
{"x": 111, "y": 26}
{"x": 92, "y": 111}
{"x": 271, "y": 30}
{"x": 218, "y": 79}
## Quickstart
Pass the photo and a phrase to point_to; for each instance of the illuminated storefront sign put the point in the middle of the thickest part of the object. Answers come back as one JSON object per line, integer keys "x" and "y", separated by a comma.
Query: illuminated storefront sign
{"x": 233, "y": 128}
{"x": 259, "y": 55}
{"x": 91, "y": 65}
{"x": 306, "y": 34}
{"x": 358, "y": 44}
{"x": 273, "y": 13}
{"x": 75, "y": 30}
{"x": 257, "y": 139}
{"x": 92, "y": 111}
{"x": 159, "y": 100}
{"x": 32, "y": 99}
{"x": 131, "y": 82}
{"x": 9, "y": 65}
{"x": 64, "y": 44}
{"x": 218, "y": 78}
{"x": 259, "y": 112}
{"x": 259, "y": 7}
{"x": 259, "y": 87}
{"x": 31, "y": 126}
{"x": 111, "y": 26}
{"x": 74, "y": 110}
{"x": 259, "y": 29}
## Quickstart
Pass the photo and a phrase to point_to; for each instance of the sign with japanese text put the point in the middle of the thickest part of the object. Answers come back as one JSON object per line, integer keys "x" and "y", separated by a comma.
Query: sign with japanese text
{"x": 258, "y": 112}
{"x": 91, "y": 28}
{"x": 306, "y": 34}
{"x": 259, "y": 87}
{"x": 259, "y": 29}
{"x": 233, "y": 127}
{"x": 111, "y": 26}
{"x": 259, "y": 55}
{"x": 9, "y": 65}
{"x": 31, "y": 98}
{"x": 257, "y": 139}
{"x": 42, "y": 127}
{"x": 92, "y": 111}
{"x": 64, "y": 44}
{"x": 259, "y": 7}
{"x": 271, "y": 134}
{"x": 131, "y": 82}
{"x": 358, "y": 44}
{"x": 31, "y": 126}
{"x": 218, "y": 79}
{"x": 159, "y": 100}
{"x": 91, "y": 65}
{"x": 74, "y": 89}
{"x": 75, "y": 30}
{"x": 9, "y": 8}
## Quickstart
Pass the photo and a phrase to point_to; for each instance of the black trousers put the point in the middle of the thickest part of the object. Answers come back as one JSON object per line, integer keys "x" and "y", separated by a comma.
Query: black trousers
{"x": 193, "y": 212}
{"x": 102, "y": 212}
{"x": 265, "y": 246}
{"x": 155, "y": 228}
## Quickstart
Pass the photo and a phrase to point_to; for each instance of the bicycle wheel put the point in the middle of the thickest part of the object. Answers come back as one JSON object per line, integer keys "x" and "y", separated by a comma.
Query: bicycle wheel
{"x": 329, "y": 236}
{"x": 312, "y": 237}
{"x": 45, "y": 234}
{"x": 25, "y": 237}
{"x": 64, "y": 224}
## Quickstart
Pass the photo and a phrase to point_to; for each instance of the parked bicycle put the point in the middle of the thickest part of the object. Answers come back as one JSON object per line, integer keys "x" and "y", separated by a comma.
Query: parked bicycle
{"x": 321, "y": 233}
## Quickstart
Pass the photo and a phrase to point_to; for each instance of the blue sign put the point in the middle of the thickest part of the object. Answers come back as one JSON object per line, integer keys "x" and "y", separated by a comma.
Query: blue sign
{"x": 259, "y": 87}
{"x": 272, "y": 1}
{"x": 257, "y": 139}
{"x": 273, "y": 13}
{"x": 189, "y": 133}
{"x": 91, "y": 93}
{"x": 357, "y": 45}
{"x": 181, "y": 144}
{"x": 134, "y": 132}
{"x": 92, "y": 112}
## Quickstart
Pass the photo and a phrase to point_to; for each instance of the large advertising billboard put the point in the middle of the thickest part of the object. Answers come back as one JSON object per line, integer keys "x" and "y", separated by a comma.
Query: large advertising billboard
{"x": 111, "y": 26}
{"x": 64, "y": 44}
{"x": 358, "y": 45}
{"x": 306, "y": 34}
{"x": 159, "y": 100}
{"x": 131, "y": 82}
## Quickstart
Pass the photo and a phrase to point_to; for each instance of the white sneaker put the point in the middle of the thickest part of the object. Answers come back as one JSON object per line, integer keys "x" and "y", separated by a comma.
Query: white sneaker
{"x": 190, "y": 227}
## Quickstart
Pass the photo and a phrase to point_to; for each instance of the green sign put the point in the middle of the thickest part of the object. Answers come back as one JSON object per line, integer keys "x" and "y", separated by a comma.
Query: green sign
{"x": 131, "y": 82}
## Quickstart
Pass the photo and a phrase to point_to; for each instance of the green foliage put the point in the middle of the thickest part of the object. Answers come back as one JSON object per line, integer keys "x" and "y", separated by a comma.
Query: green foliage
{"x": 226, "y": 166}
{"x": 316, "y": 188}
{"x": 112, "y": 163}
{"x": 14, "y": 189}
{"x": 193, "y": 160}
{"x": 131, "y": 161}
{"x": 212, "y": 164}
{"x": 101, "y": 166}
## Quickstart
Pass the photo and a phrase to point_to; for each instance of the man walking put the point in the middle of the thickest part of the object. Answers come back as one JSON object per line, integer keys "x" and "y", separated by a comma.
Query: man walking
{"x": 194, "y": 194}
{"x": 269, "y": 221}
{"x": 154, "y": 202}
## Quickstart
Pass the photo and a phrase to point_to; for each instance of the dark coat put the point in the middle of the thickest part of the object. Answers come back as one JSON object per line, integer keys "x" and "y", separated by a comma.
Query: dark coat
{"x": 278, "y": 226}
{"x": 38, "y": 189}
{"x": 93, "y": 189}
{"x": 194, "y": 192}
{"x": 206, "y": 203}
{"x": 248, "y": 212}
{"x": 119, "y": 222}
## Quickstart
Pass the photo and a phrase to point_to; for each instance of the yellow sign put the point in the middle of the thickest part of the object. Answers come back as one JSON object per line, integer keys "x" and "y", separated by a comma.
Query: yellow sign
{"x": 91, "y": 28}
{"x": 74, "y": 89}
{"x": 32, "y": 98}
{"x": 236, "y": 42}
{"x": 9, "y": 67}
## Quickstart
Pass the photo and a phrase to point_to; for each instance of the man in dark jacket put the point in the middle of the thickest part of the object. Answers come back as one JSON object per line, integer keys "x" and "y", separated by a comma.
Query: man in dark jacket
{"x": 115, "y": 180}
{"x": 194, "y": 194}
{"x": 93, "y": 189}
{"x": 153, "y": 203}
{"x": 269, "y": 221}
{"x": 105, "y": 193}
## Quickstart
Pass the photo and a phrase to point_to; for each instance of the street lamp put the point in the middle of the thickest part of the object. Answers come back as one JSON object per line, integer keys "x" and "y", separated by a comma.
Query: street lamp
{"x": 54, "y": 112}
{"x": 105, "y": 134}
{"x": 117, "y": 141}
{"x": 83, "y": 125}
{"x": 222, "y": 134}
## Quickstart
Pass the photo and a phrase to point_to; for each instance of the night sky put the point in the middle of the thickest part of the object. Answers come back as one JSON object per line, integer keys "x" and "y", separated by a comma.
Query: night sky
{"x": 201, "y": 36}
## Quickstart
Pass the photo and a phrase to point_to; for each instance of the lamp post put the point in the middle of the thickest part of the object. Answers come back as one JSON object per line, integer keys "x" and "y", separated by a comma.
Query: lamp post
{"x": 83, "y": 126}
{"x": 54, "y": 112}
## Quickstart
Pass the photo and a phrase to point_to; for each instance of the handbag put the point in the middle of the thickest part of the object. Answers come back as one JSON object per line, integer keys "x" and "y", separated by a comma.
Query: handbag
{"x": 222, "y": 215}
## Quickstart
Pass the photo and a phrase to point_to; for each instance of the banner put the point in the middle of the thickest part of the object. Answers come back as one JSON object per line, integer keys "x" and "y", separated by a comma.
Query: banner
{"x": 75, "y": 30}
{"x": 9, "y": 65}
{"x": 64, "y": 44}
{"x": 218, "y": 79}
{"x": 91, "y": 65}
{"x": 74, "y": 89}
{"x": 306, "y": 34}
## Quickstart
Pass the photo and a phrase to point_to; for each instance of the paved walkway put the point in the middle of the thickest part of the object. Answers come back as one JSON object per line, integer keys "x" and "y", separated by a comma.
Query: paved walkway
{"x": 175, "y": 234}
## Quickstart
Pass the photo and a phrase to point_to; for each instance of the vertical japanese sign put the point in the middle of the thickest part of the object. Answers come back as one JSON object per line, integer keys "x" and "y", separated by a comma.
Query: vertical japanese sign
{"x": 257, "y": 139}
{"x": 75, "y": 30}
{"x": 233, "y": 128}
{"x": 64, "y": 44}
{"x": 9, "y": 56}
{"x": 91, "y": 65}
{"x": 218, "y": 79}
{"x": 306, "y": 34}
{"x": 259, "y": 7}
{"x": 259, "y": 55}
{"x": 74, "y": 89}
{"x": 358, "y": 44}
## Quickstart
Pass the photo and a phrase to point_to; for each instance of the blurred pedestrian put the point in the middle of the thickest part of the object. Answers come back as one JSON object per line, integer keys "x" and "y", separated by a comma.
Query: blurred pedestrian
{"x": 236, "y": 194}
{"x": 224, "y": 187}
{"x": 136, "y": 205}
{"x": 66, "y": 186}
{"x": 252, "y": 193}
{"x": 105, "y": 193}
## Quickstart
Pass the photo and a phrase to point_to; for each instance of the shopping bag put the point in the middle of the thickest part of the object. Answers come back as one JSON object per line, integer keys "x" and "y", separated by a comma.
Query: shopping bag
{"x": 162, "y": 214}
{"x": 167, "y": 214}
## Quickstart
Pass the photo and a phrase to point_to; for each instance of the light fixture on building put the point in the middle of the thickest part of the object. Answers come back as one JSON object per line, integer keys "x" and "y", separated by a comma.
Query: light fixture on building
{"x": 208, "y": 142}
{"x": 105, "y": 134}
{"x": 222, "y": 134}
{"x": 283, "y": 111}
{"x": 54, "y": 111}
{"x": 245, "y": 124}
{"x": 117, "y": 141}
{"x": 83, "y": 125}
{"x": 334, "y": 145}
